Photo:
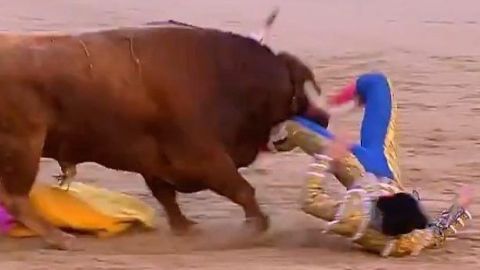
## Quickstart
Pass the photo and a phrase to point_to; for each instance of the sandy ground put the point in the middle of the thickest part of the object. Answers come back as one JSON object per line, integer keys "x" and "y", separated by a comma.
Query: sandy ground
{"x": 431, "y": 50}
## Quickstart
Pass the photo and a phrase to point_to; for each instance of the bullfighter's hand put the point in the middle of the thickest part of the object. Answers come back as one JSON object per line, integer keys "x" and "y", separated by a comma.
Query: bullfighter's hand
{"x": 339, "y": 147}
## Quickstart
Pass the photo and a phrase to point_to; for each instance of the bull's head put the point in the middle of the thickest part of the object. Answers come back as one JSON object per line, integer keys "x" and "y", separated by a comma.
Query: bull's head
{"x": 301, "y": 78}
{"x": 303, "y": 82}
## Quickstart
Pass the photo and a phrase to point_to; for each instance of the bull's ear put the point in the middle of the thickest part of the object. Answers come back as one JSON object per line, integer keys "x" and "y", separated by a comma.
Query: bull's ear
{"x": 293, "y": 63}
{"x": 299, "y": 73}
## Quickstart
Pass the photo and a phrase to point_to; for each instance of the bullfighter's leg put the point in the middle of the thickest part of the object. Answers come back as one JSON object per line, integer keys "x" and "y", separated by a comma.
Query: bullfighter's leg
{"x": 19, "y": 161}
{"x": 345, "y": 170}
{"x": 315, "y": 199}
{"x": 167, "y": 196}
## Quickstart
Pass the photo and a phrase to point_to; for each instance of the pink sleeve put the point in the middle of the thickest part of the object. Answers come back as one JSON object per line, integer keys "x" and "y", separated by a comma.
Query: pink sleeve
{"x": 345, "y": 95}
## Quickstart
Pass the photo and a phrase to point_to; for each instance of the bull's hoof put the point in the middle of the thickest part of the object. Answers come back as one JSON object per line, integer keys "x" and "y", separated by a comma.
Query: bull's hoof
{"x": 63, "y": 181}
{"x": 259, "y": 224}
{"x": 182, "y": 227}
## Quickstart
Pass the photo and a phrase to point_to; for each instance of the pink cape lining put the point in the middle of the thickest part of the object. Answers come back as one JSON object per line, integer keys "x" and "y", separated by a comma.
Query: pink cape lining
{"x": 6, "y": 220}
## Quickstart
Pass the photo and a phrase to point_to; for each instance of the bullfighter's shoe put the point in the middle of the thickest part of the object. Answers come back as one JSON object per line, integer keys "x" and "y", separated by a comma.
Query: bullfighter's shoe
{"x": 449, "y": 222}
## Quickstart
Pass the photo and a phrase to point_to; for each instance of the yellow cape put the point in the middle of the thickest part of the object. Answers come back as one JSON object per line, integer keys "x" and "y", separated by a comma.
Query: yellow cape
{"x": 87, "y": 208}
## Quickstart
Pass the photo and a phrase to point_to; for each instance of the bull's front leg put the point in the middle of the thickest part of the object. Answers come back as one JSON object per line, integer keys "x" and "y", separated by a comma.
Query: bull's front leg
{"x": 167, "y": 196}
{"x": 215, "y": 170}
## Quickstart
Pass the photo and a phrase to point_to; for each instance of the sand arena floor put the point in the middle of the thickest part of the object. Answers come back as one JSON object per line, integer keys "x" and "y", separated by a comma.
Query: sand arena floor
{"x": 431, "y": 50}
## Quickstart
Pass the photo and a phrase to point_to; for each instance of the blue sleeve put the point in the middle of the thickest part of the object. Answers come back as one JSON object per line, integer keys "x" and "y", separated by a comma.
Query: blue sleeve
{"x": 313, "y": 127}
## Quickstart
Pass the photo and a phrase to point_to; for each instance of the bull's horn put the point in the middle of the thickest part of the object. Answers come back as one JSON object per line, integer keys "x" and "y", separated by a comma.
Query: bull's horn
{"x": 271, "y": 18}
{"x": 263, "y": 34}
{"x": 313, "y": 96}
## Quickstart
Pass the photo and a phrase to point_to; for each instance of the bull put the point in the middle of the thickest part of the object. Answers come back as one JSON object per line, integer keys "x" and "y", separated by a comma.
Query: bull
{"x": 183, "y": 106}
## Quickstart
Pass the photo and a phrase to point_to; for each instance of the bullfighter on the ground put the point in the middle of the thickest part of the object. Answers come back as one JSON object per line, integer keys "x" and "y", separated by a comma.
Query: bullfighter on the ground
{"x": 377, "y": 212}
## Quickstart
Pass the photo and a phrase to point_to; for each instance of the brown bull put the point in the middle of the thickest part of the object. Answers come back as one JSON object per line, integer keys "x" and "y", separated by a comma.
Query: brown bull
{"x": 182, "y": 106}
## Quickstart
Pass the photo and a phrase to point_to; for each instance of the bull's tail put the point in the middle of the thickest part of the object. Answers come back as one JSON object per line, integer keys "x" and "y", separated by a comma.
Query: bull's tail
{"x": 262, "y": 35}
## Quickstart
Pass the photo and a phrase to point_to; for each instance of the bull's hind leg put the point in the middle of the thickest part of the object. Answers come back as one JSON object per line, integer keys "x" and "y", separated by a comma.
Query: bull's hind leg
{"x": 19, "y": 161}
{"x": 167, "y": 196}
